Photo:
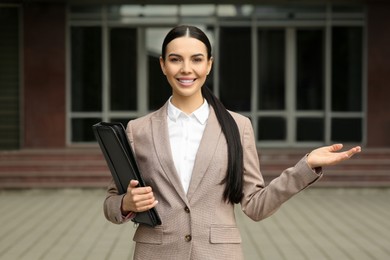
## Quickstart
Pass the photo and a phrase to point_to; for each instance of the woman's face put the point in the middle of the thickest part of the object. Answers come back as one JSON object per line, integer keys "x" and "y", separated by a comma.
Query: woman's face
{"x": 186, "y": 67}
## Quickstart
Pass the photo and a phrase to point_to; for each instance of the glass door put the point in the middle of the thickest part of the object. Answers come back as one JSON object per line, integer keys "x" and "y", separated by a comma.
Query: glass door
{"x": 272, "y": 120}
{"x": 290, "y": 85}
{"x": 123, "y": 69}
{"x": 310, "y": 85}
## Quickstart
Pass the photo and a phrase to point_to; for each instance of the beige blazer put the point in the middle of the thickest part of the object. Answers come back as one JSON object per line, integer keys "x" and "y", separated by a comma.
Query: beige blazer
{"x": 199, "y": 224}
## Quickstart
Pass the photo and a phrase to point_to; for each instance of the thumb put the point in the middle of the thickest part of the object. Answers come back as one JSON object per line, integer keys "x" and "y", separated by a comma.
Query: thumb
{"x": 336, "y": 147}
{"x": 133, "y": 183}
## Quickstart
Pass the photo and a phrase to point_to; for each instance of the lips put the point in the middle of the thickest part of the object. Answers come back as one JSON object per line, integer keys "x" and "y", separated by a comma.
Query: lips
{"x": 186, "y": 82}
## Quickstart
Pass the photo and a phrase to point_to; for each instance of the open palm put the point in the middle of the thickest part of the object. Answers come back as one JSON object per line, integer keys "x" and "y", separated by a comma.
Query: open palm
{"x": 330, "y": 155}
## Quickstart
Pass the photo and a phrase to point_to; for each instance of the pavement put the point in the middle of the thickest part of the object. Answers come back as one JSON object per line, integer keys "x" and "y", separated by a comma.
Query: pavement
{"x": 317, "y": 223}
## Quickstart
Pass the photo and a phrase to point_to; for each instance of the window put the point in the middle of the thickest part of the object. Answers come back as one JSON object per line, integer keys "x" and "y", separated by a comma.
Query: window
{"x": 235, "y": 73}
{"x": 347, "y": 69}
{"x": 271, "y": 70}
{"x": 123, "y": 69}
{"x": 310, "y": 69}
{"x": 295, "y": 70}
{"x": 86, "y": 69}
{"x": 86, "y": 90}
{"x": 9, "y": 78}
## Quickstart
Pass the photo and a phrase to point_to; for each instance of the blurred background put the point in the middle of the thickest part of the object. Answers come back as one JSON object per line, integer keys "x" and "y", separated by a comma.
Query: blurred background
{"x": 306, "y": 72}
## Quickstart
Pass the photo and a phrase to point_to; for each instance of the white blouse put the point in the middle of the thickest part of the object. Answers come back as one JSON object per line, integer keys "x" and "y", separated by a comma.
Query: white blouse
{"x": 185, "y": 134}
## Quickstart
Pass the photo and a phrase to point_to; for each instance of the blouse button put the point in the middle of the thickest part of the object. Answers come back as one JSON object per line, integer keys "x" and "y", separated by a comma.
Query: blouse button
{"x": 187, "y": 210}
{"x": 187, "y": 238}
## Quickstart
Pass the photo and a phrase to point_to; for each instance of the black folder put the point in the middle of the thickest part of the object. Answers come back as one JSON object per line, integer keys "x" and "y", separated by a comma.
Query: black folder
{"x": 121, "y": 161}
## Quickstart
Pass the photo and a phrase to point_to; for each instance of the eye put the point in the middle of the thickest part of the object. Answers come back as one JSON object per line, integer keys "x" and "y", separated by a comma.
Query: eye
{"x": 174, "y": 59}
{"x": 197, "y": 59}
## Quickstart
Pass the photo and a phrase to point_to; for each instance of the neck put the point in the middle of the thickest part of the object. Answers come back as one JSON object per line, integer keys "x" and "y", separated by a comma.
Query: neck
{"x": 187, "y": 104}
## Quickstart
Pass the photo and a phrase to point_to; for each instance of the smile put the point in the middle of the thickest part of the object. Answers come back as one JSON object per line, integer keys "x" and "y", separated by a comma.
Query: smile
{"x": 186, "y": 81}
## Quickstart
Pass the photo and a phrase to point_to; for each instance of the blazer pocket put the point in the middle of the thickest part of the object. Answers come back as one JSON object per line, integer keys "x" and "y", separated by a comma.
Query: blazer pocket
{"x": 148, "y": 235}
{"x": 225, "y": 235}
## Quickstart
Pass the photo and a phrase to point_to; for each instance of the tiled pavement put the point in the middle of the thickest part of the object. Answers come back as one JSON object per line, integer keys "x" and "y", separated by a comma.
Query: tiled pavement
{"x": 316, "y": 224}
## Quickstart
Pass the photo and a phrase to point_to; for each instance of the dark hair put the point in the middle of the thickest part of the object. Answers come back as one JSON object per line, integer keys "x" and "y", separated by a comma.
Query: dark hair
{"x": 183, "y": 30}
{"x": 234, "y": 177}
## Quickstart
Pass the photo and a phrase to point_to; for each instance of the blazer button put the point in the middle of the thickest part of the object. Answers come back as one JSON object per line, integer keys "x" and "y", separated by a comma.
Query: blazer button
{"x": 187, "y": 209}
{"x": 188, "y": 238}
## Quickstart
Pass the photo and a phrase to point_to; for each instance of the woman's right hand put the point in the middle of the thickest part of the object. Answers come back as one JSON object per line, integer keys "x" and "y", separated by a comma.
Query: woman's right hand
{"x": 137, "y": 199}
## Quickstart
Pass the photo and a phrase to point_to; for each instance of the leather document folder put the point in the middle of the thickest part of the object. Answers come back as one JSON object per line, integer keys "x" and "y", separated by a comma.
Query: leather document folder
{"x": 121, "y": 161}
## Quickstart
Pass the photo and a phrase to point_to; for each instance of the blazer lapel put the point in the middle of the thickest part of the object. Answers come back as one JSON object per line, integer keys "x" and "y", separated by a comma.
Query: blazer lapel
{"x": 205, "y": 153}
{"x": 163, "y": 149}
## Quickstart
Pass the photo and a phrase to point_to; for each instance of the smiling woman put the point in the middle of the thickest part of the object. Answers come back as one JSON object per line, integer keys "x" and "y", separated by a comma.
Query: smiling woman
{"x": 199, "y": 160}
{"x": 186, "y": 65}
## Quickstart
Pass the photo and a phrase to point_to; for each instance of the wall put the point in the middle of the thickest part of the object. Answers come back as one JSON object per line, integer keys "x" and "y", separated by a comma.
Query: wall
{"x": 378, "y": 80}
{"x": 44, "y": 75}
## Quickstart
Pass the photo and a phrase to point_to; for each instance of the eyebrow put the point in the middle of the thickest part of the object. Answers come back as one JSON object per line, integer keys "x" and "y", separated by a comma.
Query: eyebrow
{"x": 178, "y": 55}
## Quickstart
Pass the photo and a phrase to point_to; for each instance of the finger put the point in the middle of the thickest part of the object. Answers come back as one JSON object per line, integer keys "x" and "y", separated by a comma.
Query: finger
{"x": 144, "y": 202}
{"x": 143, "y": 197}
{"x": 140, "y": 191}
{"x": 357, "y": 149}
{"x": 336, "y": 147}
{"x": 146, "y": 207}
{"x": 353, "y": 151}
{"x": 348, "y": 154}
{"x": 132, "y": 185}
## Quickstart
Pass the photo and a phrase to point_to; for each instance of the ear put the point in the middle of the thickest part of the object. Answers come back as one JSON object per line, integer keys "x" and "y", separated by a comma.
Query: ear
{"x": 210, "y": 64}
{"x": 162, "y": 64}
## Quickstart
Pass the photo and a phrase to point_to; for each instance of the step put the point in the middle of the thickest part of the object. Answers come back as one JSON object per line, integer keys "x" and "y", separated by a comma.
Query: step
{"x": 86, "y": 167}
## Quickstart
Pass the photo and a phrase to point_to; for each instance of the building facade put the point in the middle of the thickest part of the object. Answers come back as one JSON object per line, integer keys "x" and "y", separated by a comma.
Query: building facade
{"x": 305, "y": 74}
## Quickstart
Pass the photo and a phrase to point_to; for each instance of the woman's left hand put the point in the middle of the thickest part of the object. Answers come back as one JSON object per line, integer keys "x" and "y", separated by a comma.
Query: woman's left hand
{"x": 329, "y": 155}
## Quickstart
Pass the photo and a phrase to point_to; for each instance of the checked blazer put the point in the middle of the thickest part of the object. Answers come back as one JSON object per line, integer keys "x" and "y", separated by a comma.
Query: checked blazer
{"x": 200, "y": 224}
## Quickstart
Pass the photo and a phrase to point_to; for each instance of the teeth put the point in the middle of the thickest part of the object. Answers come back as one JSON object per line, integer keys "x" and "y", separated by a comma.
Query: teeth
{"x": 186, "y": 80}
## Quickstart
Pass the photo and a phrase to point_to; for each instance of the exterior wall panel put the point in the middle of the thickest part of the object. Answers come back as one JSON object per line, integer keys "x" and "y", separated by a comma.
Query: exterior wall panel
{"x": 378, "y": 78}
{"x": 44, "y": 75}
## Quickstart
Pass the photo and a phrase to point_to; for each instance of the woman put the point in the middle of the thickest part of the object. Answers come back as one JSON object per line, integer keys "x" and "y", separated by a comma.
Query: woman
{"x": 199, "y": 160}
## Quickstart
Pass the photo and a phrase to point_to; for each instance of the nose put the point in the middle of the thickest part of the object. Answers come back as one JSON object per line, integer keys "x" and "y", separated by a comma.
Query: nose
{"x": 186, "y": 67}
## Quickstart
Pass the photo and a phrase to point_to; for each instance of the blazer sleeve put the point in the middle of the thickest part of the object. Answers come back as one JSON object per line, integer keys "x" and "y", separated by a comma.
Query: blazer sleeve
{"x": 260, "y": 201}
{"x": 112, "y": 205}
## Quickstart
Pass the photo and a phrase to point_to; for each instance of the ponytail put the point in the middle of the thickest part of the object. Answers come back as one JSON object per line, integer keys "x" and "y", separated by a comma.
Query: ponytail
{"x": 234, "y": 176}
